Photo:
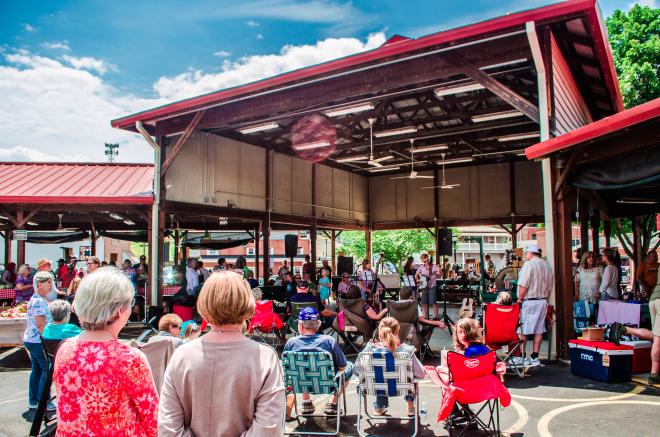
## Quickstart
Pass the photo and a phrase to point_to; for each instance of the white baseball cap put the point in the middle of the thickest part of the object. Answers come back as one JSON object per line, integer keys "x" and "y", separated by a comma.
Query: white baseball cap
{"x": 532, "y": 248}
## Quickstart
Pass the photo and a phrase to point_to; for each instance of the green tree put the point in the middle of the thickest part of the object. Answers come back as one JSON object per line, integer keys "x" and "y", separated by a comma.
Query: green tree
{"x": 395, "y": 245}
{"x": 635, "y": 41}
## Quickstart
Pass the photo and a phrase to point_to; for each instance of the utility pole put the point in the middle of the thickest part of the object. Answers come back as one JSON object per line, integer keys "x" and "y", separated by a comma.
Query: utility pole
{"x": 111, "y": 150}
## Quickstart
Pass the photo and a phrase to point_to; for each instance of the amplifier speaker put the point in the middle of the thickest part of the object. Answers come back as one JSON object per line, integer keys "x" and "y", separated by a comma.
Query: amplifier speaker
{"x": 345, "y": 265}
{"x": 291, "y": 245}
{"x": 445, "y": 242}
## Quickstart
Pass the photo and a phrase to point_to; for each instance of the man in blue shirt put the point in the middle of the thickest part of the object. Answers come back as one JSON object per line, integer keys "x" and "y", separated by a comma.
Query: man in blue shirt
{"x": 304, "y": 296}
{"x": 309, "y": 340}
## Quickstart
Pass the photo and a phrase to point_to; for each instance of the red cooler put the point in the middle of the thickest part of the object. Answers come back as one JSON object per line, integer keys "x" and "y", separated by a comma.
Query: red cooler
{"x": 185, "y": 312}
{"x": 600, "y": 360}
{"x": 641, "y": 361}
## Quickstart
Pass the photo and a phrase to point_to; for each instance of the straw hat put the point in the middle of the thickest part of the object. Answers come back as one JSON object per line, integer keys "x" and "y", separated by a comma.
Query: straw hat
{"x": 42, "y": 262}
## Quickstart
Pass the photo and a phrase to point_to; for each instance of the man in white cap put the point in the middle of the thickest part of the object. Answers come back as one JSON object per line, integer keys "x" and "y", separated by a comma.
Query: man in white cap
{"x": 534, "y": 287}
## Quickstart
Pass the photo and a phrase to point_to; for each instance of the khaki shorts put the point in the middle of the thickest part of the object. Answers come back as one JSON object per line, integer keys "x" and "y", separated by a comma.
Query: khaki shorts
{"x": 654, "y": 308}
{"x": 532, "y": 316}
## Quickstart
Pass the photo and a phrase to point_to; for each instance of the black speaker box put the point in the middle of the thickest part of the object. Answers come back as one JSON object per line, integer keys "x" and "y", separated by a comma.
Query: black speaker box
{"x": 345, "y": 265}
{"x": 445, "y": 242}
{"x": 291, "y": 245}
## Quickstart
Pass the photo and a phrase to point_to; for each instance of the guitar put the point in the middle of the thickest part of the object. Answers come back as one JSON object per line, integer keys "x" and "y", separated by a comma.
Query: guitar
{"x": 467, "y": 309}
{"x": 423, "y": 282}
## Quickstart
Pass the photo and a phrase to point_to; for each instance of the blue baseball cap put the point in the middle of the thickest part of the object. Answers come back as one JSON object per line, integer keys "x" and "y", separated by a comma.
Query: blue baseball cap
{"x": 308, "y": 313}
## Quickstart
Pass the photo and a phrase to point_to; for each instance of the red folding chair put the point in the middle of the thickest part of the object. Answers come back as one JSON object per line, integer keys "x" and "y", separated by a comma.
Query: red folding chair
{"x": 501, "y": 329}
{"x": 265, "y": 321}
{"x": 471, "y": 381}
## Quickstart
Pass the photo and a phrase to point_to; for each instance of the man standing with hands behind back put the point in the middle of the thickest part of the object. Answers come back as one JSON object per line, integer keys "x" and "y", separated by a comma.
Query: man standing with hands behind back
{"x": 534, "y": 287}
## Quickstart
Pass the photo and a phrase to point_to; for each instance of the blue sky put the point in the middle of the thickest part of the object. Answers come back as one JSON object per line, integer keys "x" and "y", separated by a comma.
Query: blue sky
{"x": 118, "y": 56}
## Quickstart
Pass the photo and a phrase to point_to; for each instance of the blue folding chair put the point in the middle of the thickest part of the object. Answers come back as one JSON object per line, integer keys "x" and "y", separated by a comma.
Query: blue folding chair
{"x": 313, "y": 373}
{"x": 384, "y": 374}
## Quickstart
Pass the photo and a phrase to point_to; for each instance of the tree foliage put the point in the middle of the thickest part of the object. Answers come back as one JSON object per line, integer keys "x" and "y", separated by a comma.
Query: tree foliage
{"x": 635, "y": 41}
{"x": 395, "y": 245}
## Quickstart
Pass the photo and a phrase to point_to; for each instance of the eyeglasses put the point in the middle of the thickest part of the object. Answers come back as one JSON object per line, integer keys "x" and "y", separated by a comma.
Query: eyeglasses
{"x": 133, "y": 302}
{"x": 174, "y": 326}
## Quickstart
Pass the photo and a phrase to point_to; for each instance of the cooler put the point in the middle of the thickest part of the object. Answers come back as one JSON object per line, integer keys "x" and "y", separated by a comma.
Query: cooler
{"x": 602, "y": 361}
{"x": 641, "y": 361}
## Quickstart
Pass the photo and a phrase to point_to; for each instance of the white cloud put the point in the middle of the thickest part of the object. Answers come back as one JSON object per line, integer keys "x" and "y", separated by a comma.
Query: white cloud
{"x": 222, "y": 54}
{"x": 251, "y": 68}
{"x": 29, "y": 28}
{"x": 252, "y": 23}
{"x": 650, "y": 3}
{"x": 53, "y": 112}
{"x": 260, "y": 36}
{"x": 57, "y": 45}
{"x": 89, "y": 63}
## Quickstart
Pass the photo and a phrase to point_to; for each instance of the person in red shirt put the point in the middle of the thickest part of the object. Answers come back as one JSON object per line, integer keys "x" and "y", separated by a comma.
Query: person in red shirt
{"x": 308, "y": 268}
{"x": 62, "y": 271}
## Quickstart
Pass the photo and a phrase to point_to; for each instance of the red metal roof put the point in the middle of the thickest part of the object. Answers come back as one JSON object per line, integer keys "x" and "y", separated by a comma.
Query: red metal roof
{"x": 28, "y": 182}
{"x": 622, "y": 120}
{"x": 554, "y": 12}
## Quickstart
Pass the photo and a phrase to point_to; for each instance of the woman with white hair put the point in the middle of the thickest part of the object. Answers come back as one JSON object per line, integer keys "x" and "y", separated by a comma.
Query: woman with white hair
{"x": 24, "y": 284}
{"x": 223, "y": 384}
{"x": 38, "y": 316}
{"x": 60, "y": 329}
{"x": 104, "y": 387}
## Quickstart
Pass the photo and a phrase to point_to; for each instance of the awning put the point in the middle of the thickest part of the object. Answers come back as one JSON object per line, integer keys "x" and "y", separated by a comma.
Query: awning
{"x": 216, "y": 240}
{"x": 59, "y": 237}
{"x": 135, "y": 236}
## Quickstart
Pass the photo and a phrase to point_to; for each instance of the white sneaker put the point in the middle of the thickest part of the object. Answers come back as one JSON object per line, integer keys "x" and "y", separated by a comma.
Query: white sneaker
{"x": 532, "y": 362}
{"x": 516, "y": 361}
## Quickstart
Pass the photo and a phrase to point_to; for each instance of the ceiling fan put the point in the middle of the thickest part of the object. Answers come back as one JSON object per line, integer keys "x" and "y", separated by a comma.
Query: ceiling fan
{"x": 374, "y": 162}
{"x": 444, "y": 185}
{"x": 413, "y": 174}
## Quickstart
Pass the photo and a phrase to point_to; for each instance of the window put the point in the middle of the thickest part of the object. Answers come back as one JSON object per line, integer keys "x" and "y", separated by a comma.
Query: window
{"x": 249, "y": 251}
{"x": 271, "y": 251}
{"x": 300, "y": 251}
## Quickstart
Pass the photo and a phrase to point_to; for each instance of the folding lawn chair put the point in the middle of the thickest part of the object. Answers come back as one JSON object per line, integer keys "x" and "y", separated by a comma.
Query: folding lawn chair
{"x": 383, "y": 374}
{"x": 471, "y": 381}
{"x": 265, "y": 321}
{"x": 313, "y": 373}
{"x": 501, "y": 329}
{"x": 354, "y": 324}
{"x": 412, "y": 331}
{"x": 40, "y": 416}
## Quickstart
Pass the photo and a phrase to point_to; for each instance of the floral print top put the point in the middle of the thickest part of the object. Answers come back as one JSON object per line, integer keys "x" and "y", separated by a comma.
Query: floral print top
{"x": 104, "y": 389}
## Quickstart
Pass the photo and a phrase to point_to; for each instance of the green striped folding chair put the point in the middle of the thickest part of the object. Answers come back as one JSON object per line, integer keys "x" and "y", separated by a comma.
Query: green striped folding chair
{"x": 314, "y": 373}
{"x": 384, "y": 374}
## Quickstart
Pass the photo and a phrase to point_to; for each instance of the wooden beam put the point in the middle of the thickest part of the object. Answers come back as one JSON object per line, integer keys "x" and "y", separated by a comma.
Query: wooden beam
{"x": 8, "y": 240}
{"x": 257, "y": 242}
{"x": 493, "y": 85}
{"x": 367, "y": 238}
{"x": 583, "y": 205}
{"x": 181, "y": 141}
{"x": 9, "y": 216}
{"x": 608, "y": 232}
{"x": 565, "y": 172}
{"x": 333, "y": 249}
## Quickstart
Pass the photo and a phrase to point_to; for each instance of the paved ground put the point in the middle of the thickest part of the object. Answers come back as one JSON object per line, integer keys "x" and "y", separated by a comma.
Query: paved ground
{"x": 549, "y": 402}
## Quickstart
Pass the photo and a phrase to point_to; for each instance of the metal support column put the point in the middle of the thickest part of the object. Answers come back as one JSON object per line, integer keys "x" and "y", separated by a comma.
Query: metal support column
{"x": 20, "y": 244}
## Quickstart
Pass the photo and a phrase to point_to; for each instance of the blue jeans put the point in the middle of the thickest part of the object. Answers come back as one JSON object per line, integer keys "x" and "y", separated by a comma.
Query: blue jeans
{"x": 383, "y": 401}
{"x": 38, "y": 373}
{"x": 348, "y": 371}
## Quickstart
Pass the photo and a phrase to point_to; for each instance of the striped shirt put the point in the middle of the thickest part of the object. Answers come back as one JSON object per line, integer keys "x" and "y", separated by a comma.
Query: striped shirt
{"x": 537, "y": 277}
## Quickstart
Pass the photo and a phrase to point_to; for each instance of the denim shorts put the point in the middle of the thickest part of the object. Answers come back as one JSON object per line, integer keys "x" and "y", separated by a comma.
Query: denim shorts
{"x": 429, "y": 296}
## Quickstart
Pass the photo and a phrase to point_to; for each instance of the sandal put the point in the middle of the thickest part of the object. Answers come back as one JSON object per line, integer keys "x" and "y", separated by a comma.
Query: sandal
{"x": 308, "y": 408}
{"x": 380, "y": 411}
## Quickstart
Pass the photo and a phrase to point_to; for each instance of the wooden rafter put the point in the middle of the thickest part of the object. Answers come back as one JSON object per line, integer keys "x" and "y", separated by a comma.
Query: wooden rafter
{"x": 495, "y": 86}
{"x": 181, "y": 141}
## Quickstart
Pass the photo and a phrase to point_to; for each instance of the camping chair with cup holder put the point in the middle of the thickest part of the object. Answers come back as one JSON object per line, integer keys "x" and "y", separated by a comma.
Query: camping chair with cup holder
{"x": 472, "y": 380}
{"x": 264, "y": 322}
{"x": 313, "y": 373}
{"x": 501, "y": 324}
{"x": 351, "y": 325}
{"x": 412, "y": 331}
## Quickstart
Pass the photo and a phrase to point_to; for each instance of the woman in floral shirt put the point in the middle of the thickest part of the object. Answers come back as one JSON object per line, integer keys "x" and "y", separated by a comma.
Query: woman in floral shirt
{"x": 105, "y": 387}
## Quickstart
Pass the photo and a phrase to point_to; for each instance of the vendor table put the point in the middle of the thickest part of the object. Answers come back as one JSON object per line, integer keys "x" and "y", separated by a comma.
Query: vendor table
{"x": 7, "y": 293}
{"x": 167, "y": 290}
{"x": 610, "y": 311}
{"x": 11, "y": 331}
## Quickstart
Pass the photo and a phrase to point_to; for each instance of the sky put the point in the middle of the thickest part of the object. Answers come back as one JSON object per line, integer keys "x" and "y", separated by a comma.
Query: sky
{"x": 68, "y": 67}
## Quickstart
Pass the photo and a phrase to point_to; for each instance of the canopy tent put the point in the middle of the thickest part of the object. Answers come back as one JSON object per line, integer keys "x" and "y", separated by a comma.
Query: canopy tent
{"x": 135, "y": 236}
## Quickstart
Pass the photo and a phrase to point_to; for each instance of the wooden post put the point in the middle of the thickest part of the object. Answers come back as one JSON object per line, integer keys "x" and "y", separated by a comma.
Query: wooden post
{"x": 595, "y": 231}
{"x": 333, "y": 249}
{"x": 257, "y": 239}
{"x": 512, "y": 203}
{"x": 177, "y": 238}
{"x": 20, "y": 245}
{"x": 564, "y": 274}
{"x": 514, "y": 234}
{"x": 265, "y": 224}
{"x": 161, "y": 246}
{"x": 367, "y": 238}
{"x": 313, "y": 230}
{"x": 150, "y": 277}
{"x": 584, "y": 223}
{"x": 93, "y": 238}
{"x": 608, "y": 232}
{"x": 637, "y": 248}
{"x": 8, "y": 237}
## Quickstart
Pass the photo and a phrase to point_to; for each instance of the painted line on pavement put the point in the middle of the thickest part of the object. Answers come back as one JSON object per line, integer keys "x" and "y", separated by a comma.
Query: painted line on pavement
{"x": 543, "y": 426}
{"x": 634, "y": 392}
{"x": 523, "y": 417}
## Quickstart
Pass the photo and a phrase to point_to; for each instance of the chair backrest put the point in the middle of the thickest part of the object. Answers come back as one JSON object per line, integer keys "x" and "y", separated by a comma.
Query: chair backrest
{"x": 309, "y": 372}
{"x": 462, "y": 368}
{"x": 296, "y": 307}
{"x": 263, "y": 311}
{"x": 501, "y": 323}
{"x": 383, "y": 374}
{"x": 274, "y": 292}
{"x": 403, "y": 311}
{"x": 51, "y": 347}
{"x": 390, "y": 280}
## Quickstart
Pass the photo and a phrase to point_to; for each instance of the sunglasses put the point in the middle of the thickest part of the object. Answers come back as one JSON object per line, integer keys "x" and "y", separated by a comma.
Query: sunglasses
{"x": 174, "y": 326}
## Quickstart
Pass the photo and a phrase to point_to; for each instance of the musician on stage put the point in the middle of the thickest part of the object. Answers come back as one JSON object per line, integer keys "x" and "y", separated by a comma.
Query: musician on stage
{"x": 366, "y": 278}
{"x": 426, "y": 277}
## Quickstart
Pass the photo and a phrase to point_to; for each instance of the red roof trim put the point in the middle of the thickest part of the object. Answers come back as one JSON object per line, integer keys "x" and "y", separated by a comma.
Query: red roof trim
{"x": 132, "y": 200}
{"x": 638, "y": 114}
{"x": 490, "y": 26}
